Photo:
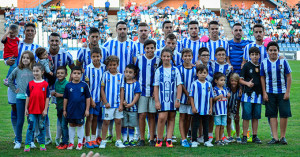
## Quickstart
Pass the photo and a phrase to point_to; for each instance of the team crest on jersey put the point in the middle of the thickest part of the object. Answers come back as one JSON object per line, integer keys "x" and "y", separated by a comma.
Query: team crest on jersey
{"x": 230, "y": 48}
{"x": 81, "y": 89}
{"x": 250, "y": 70}
{"x": 106, "y": 115}
{"x": 43, "y": 89}
{"x": 280, "y": 66}
{"x": 71, "y": 89}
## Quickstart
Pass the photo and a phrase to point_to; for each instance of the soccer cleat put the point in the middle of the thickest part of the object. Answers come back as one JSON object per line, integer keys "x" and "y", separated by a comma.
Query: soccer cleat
{"x": 109, "y": 139}
{"x": 208, "y": 144}
{"x": 27, "y": 148}
{"x": 89, "y": 145}
{"x": 62, "y": 146}
{"x": 17, "y": 145}
{"x": 119, "y": 144}
{"x": 158, "y": 143}
{"x": 70, "y": 146}
{"x": 219, "y": 143}
{"x": 225, "y": 140}
{"x": 231, "y": 139}
{"x": 43, "y": 147}
{"x": 95, "y": 144}
{"x": 244, "y": 140}
{"x": 103, "y": 144}
{"x": 238, "y": 140}
{"x": 59, "y": 145}
{"x": 141, "y": 143}
{"x": 152, "y": 143}
{"x": 32, "y": 145}
{"x": 48, "y": 141}
{"x": 283, "y": 141}
{"x": 200, "y": 139}
{"x": 256, "y": 140}
{"x": 132, "y": 143}
{"x": 194, "y": 144}
{"x": 210, "y": 138}
{"x": 185, "y": 143}
{"x": 57, "y": 141}
{"x": 169, "y": 144}
{"x": 98, "y": 140}
{"x": 273, "y": 141}
{"x": 79, "y": 146}
{"x": 126, "y": 143}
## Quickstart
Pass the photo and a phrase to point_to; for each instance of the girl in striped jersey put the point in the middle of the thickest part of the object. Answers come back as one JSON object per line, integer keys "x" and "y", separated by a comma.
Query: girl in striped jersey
{"x": 220, "y": 107}
{"x": 132, "y": 93}
{"x": 167, "y": 94}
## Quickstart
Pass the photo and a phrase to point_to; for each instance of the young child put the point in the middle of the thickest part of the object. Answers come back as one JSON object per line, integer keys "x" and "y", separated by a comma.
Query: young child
{"x": 10, "y": 41}
{"x": 132, "y": 93}
{"x": 36, "y": 107}
{"x": 112, "y": 94}
{"x": 234, "y": 107}
{"x": 46, "y": 61}
{"x": 146, "y": 107}
{"x": 167, "y": 94}
{"x": 221, "y": 96}
{"x": 201, "y": 95}
{"x": 60, "y": 84}
{"x": 221, "y": 65}
{"x": 21, "y": 76}
{"x": 76, "y": 106}
{"x": 188, "y": 75}
{"x": 92, "y": 76}
{"x": 252, "y": 96}
{"x": 276, "y": 80}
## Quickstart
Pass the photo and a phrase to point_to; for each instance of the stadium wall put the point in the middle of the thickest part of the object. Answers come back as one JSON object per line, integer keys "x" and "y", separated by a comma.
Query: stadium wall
{"x": 249, "y": 3}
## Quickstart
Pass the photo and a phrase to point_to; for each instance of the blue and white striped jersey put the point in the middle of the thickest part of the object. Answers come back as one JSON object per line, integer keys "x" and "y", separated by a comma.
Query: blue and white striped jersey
{"x": 202, "y": 93}
{"x": 213, "y": 45}
{"x": 193, "y": 45}
{"x": 187, "y": 77}
{"x": 161, "y": 44}
{"x": 139, "y": 48}
{"x": 130, "y": 89}
{"x": 223, "y": 68}
{"x": 275, "y": 73}
{"x": 262, "y": 48}
{"x": 23, "y": 47}
{"x": 62, "y": 58}
{"x": 233, "y": 101}
{"x": 84, "y": 56}
{"x": 220, "y": 106}
{"x": 112, "y": 86}
{"x": 253, "y": 98}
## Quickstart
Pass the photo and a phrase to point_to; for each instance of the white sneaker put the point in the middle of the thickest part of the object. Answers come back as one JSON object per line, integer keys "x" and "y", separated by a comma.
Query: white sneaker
{"x": 226, "y": 140}
{"x": 208, "y": 144}
{"x": 79, "y": 146}
{"x": 17, "y": 145}
{"x": 103, "y": 144}
{"x": 194, "y": 144}
{"x": 210, "y": 140}
{"x": 119, "y": 144}
{"x": 32, "y": 145}
{"x": 200, "y": 139}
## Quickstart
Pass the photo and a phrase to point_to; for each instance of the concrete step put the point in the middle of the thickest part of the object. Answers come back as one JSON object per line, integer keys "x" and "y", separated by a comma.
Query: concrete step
{"x": 227, "y": 28}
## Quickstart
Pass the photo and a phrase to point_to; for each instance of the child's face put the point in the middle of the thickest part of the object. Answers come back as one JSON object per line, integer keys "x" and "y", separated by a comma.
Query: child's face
{"x": 220, "y": 82}
{"x": 37, "y": 72}
{"x": 13, "y": 34}
{"x": 129, "y": 74}
{"x": 61, "y": 74}
{"x": 150, "y": 49}
{"x": 112, "y": 67}
{"x": 166, "y": 57}
{"x": 76, "y": 75}
{"x": 44, "y": 55}
{"x": 254, "y": 57}
{"x": 187, "y": 57}
{"x": 273, "y": 52}
{"x": 204, "y": 57}
{"x": 221, "y": 55}
{"x": 202, "y": 75}
{"x": 96, "y": 57}
{"x": 26, "y": 59}
{"x": 233, "y": 83}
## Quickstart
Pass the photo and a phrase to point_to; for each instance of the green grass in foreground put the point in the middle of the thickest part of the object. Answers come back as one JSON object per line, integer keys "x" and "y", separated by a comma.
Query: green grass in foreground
{"x": 292, "y": 149}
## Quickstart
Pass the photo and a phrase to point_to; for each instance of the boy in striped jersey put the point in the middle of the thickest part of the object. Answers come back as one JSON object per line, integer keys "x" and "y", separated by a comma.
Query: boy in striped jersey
{"x": 188, "y": 75}
{"x": 201, "y": 95}
{"x": 112, "y": 94}
{"x": 167, "y": 28}
{"x": 220, "y": 65}
{"x": 132, "y": 93}
{"x": 276, "y": 79}
{"x": 252, "y": 96}
{"x": 92, "y": 76}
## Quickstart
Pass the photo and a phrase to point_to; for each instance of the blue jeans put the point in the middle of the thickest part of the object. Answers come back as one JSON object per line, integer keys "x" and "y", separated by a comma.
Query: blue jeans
{"x": 32, "y": 120}
{"x": 20, "y": 118}
{"x": 63, "y": 125}
{"x": 12, "y": 67}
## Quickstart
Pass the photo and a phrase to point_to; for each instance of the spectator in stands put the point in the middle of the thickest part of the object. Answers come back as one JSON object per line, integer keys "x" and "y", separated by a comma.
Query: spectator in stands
{"x": 107, "y": 4}
{"x": 184, "y": 5}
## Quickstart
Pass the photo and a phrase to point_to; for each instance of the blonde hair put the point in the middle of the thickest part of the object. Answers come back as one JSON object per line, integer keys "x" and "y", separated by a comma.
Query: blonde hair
{"x": 31, "y": 57}
{"x": 236, "y": 77}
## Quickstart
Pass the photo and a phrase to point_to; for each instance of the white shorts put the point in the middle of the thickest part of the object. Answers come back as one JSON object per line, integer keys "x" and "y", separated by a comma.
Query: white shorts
{"x": 11, "y": 96}
{"x": 185, "y": 108}
{"x": 111, "y": 113}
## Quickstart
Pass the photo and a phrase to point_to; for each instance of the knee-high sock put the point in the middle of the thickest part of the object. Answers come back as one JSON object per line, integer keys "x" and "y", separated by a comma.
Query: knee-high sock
{"x": 124, "y": 134}
{"x": 13, "y": 116}
{"x": 71, "y": 134}
{"x": 58, "y": 130}
{"x": 131, "y": 134}
{"x": 80, "y": 133}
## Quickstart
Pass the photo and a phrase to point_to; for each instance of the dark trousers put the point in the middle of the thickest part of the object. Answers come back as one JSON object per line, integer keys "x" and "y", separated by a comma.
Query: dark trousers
{"x": 195, "y": 126}
{"x": 107, "y": 9}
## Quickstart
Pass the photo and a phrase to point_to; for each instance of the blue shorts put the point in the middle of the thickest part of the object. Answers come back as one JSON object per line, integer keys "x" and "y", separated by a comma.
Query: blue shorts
{"x": 75, "y": 121}
{"x": 220, "y": 120}
{"x": 96, "y": 110}
{"x": 251, "y": 111}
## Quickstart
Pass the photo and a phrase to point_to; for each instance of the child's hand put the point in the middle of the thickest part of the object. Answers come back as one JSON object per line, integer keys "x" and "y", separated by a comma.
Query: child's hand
{"x": 265, "y": 96}
{"x": 240, "y": 92}
{"x": 228, "y": 95}
{"x": 51, "y": 73}
{"x": 107, "y": 105}
{"x": 125, "y": 104}
{"x": 250, "y": 83}
{"x": 177, "y": 104}
{"x": 194, "y": 110}
{"x": 158, "y": 105}
{"x": 210, "y": 111}
{"x": 120, "y": 108}
{"x": 53, "y": 93}
{"x": 286, "y": 96}
{"x": 220, "y": 96}
{"x": 44, "y": 113}
{"x": 26, "y": 113}
{"x": 87, "y": 112}
{"x": 93, "y": 104}
{"x": 17, "y": 90}
{"x": 65, "y": 114}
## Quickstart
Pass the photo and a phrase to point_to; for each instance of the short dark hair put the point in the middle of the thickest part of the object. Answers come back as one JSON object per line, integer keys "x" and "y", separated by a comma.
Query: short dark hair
{"x": 96, "y": 50}
{"x": 112, "y": 58}
{"x": 94, "y": 30}
{"x": 134, "y": 68}
{"x": 193, "y": 23}
{"x": 148, "y": 42}
{"x": 121, "y": 23}
{"x": 202, "y": 49}
{"x": 254, "y": 50}
{"x": 13, "y": 27}
{"x": 213, "y": 23}
{"x": 237, "y": 24}
{"x": 165, "y": 22}
{"x": 186, "y": 50}
{"x": 201, "y": 68}
{"x": 62, "y": 68}
{"x": 39, "y": 65}
{"x": 54, "y": 34}
{"x": 272, "y": 43}
{"x": 171, "y": 36}
{"x": 39, "y": 51}
{"x": 220, "y": 49}
{"x": 29, "y": 25}
{"x": 76, "y": 68}
{"x": 218, "y": 75}
{"x": 143, "y": 24}
{"x": 258, "y": 25}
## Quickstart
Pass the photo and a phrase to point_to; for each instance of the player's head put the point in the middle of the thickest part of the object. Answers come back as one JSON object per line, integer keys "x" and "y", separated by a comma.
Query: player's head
{"x": 259, "y": 32}
{"x": 54, "y": 41}
{"x": 167, "y": 27}
{"x": 131, "y": 72}
{"x": 61, "y": 73}
{"x": 234, "y": 81}
{"x": 29, "y": 31}
{"x": 213, "y": 29}
{"x": 202, "y": 72}
{"x": 220, "y": 54}
{"x": 27, "y": 60}
{"x": 94, "y": 36}
{"x": 96, "y": 55}
{"x": 149, "y": 47}
{"x": 237, "y": 31}
{"x": 203, "y": 54}
{"x": 143, "y": 30}
{"x": 254, "y": 54}
{"x": 41, "y": 53}
{"x": 187, "y": 55}
{"x": 166, "y": 56}
{"x": 193, "y": 28}
{"x": 38, "y": 71}
{"x": 219, "y": 79}
{"x": 171, "y": 41}
{"x": 273, "y": 50}
{"x": 112, "y": 63}
{"x": 76, "y": 73}
{"x": 121, "y": 28}
{"x": 13, "y": 30}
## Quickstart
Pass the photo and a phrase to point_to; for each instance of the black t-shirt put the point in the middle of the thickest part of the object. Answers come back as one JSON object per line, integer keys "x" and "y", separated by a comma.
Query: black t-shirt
{"x": 251, "y": 71}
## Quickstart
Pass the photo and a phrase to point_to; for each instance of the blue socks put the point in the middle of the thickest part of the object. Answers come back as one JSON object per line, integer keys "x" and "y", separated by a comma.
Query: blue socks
{"x": 131, "y": 134}
{"x": 124, "y": 134}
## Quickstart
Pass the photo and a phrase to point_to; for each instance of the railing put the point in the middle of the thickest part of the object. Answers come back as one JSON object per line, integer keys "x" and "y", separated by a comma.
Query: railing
{"x": 34, "y": 4}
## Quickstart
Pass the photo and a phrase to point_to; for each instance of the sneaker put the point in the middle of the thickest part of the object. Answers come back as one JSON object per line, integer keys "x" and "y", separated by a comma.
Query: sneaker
{"x": 27, "y": 148}
{"x": 5, "y": 82}
{"x": 109, "y": 139}
{"x": 256, "y": 140}
{"x": 219, "y": 143}
{"x": 32, "y": 145}
{"x": 98, "y": 140}
{"x": 89, "y": 145}
{"x": 103, "y": 144}
{"x": 231, "y": 139}
{"x": 224, "y": 143}
{"x": 119, "y": 144}
{"x": 79, "y": 146}
{"x": 225, "y": 140}
{"x": 126, "y": 143}
{"x": 194, "y": 144}
{"x": 244, "y": 140}
{"x": 283, "y": 141}
{"x": 48, "y": 141}
{"x": 200, "y": 139}
{"x": 132, "y": 143}
{"x": 17, "y": 145}
{"x": 273, "y": 141}
{"x": 210, "y": 138}
{"x": 158, "y": 144}
{"x": 70, "y": 146}
{"x": 43, "y": 147}
{"x": 95, "y": 144}
{"x": 141, "y": 143}
{"x": 208, "y": 144}
{"x": 238, "y": 140}
{"x": 169, "y": 144}
{"x": 62, "y": 146}
{"x": 152, "y": 143}
{"x": 185, "y": 143}
{"x": 57, "y": 142}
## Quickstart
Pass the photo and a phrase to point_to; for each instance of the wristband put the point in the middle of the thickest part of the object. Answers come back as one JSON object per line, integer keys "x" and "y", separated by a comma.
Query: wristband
{"x": 105, "y": 104}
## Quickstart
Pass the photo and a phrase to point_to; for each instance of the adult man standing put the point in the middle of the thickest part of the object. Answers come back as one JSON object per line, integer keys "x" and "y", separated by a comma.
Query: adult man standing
{"x": 143, "y": 33}
{"x": 107, "y": 4}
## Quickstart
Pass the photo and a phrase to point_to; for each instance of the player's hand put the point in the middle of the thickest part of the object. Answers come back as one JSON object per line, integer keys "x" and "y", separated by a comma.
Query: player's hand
{"x": 125, "y": 104}
{"x": 87, "y": 113}
{"x": 286, "y": 96}
{"x": 221, "y": 96}
{"x": 10, "y": 61}
{"x": 177, "y": 104}
{"x": 210, "y": 111}
{"x": 158, "y": 105}
{"x": 188, "y": 101}
{"x": 194, "y": 110}
{"x": 107, "y": 105}
{"x": 26, "y": 113}
{"x": 90, "y": 154}
{"x": 51, "y": 73}
{"x": 228, "y": 95}
{"x": 53, "y": 93}
{"x": 17, "y": 90}
{"x": 120, "y": 108}
{"x": 65, "y": 114}
{"x": 250, "y": 83}
{"x": 265, "y": 96}
{"x": 44, "y": 113}
{"x": 93, "y": 104}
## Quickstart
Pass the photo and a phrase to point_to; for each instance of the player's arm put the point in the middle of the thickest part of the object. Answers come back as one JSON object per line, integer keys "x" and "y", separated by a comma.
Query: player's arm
{"x": 156, "y": 98}
{"x": 65, "y": 107}
{"x": 217, "y": 97}
{"x": 46, "y": 107}
{"x": 210, "y": 105}
{"x": 228, "y": 60}
{"x": 179, "y": 93}
{"x": 103, "y": 96}
{"x": 4, "y": 38}
{"x": 288, "y": 86}
{"x": 121, "y": 99}
{"x": 135, "y": 99}
{"x": 263, "y": 86}
{"x": 87, "y": 108}
{"x": 184, "y": 90}
{"x": 26, "y": 106}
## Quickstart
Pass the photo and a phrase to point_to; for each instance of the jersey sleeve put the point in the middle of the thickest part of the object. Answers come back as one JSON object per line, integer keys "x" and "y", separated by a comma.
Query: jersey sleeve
{"x": 104, "y": 53}
{"x": 211, "y": 91}
{"x": 137, "y": 88}
{"x": 103, "y": 81}
{"x": 243, "y": 71}
{"x": 122, "y": 81}
{"x": 156, "y": 78}
{"x": 80, "y": 55}
{"x": 246, "y": 55}
{"x": 178, "y": 78}
{"x": 287, "y": 68}
{"x": 87, "y": 91}
{"x": 66, "y": 92}
{"x": 85, "y": 77}
{"x": 69, "y": 59}
{"x": 227, "y": 48}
